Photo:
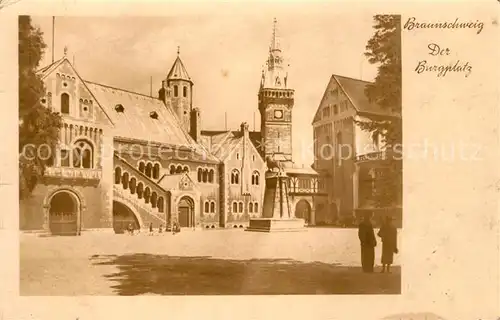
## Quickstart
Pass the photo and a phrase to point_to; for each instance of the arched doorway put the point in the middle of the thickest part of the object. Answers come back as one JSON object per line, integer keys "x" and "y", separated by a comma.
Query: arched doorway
{"x": 303, "y": 210}
{"x": 186, "y": 212}
{"x": 122, "y": 217}
{"x": 63, "y": 214}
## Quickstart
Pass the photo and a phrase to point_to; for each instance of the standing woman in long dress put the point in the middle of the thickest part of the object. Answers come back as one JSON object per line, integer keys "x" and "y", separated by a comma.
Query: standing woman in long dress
{"x": 389, "y": 236}
{"x": 368, "y": 243}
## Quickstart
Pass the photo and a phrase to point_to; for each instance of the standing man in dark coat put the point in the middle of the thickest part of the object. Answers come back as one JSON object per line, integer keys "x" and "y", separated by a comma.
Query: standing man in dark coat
{"x": 389, "y": 235}
{"x": 368, "y": 243}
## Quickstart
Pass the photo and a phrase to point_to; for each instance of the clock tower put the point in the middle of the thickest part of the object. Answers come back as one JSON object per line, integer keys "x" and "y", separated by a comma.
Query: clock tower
{"x": 275, "y": 106}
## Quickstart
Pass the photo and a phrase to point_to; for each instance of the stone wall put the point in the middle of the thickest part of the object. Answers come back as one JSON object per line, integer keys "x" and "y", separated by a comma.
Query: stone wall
{"x": 95, "y": 213}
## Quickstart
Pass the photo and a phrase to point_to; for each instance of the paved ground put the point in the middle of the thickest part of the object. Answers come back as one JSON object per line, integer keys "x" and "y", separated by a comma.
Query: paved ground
{"x": 318, "y": 261}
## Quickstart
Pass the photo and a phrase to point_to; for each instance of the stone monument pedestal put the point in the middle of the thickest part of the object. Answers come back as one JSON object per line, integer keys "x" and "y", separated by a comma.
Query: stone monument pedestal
{"x": 277, "y": 215}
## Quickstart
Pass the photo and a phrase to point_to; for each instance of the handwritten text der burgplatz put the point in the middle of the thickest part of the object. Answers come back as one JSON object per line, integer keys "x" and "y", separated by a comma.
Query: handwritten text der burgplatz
{"x": 442, "y": 69}
{"x": 438, "y": 52}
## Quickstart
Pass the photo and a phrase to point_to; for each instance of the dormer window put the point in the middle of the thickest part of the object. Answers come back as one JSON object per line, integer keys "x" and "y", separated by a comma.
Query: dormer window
{"x": 119, "y": 108}
{"x": 153, "y": 115}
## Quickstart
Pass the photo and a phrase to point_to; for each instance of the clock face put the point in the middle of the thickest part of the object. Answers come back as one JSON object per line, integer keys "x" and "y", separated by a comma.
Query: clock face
{"x": 278, "y": 114}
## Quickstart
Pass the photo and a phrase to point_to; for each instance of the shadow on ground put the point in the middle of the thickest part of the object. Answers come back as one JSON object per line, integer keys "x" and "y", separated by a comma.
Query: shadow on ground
{"x": 171, "y": 275}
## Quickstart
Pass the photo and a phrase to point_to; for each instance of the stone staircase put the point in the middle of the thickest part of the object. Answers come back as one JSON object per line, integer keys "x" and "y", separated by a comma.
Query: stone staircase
{"x": 141, "y": 193}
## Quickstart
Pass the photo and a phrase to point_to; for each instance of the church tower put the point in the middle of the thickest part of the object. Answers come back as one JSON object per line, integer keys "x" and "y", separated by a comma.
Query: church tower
{"x": 276, "y": 101}
{"x": 177, "y": 88}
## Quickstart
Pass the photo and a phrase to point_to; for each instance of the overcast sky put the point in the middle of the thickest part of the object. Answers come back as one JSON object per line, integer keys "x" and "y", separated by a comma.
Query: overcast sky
{"x": 223, "y": 54}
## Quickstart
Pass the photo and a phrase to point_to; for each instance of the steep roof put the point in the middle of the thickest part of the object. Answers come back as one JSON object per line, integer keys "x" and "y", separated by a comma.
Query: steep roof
{"x": 211, "y": 139}
{"x": 355, "y": 91}
{"x": 178, "y": 71}
{"x": 143, "y": 118}
{"x": 220, "y": 143}
{"x": 135, "y": 121}
{"x": 48, "y": 69}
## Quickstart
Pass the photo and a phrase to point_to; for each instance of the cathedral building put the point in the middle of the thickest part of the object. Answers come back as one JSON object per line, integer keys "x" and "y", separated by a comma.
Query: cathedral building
{"x": 128, "y": 158}
{"x": 348, "y": 158}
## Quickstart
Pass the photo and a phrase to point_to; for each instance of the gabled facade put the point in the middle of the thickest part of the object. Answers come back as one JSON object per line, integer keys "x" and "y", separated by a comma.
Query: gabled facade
{"x": 348, "y": 157}
{"x": 242, "y": 175}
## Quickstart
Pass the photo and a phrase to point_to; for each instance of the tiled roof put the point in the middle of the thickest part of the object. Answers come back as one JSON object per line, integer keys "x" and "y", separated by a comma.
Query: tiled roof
{"x": 178, "y": 71}
{"x": 355, "y": 90}
{"x": 220, "y": 143}
{"x": 144, "y": 118}
{"x": 135, "y": 121}
{"x": 47, "y": 69}
{"x": 256, "y": 138}
{"x": 212, "y": 139}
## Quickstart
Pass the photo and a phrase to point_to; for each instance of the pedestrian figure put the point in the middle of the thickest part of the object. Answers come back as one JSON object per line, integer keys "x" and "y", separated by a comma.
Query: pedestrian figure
{"x": 130, "y": 229}
{"x": 368, "y": 243}
{"x": 389, "y": 236}
{"x": 160, "y": 229}
{"x": 175, "y": 227}
{"x": 151, "y": 229}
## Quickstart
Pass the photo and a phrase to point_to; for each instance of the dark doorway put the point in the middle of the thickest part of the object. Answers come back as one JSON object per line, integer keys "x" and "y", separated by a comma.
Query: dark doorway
{"x": 186, "y": 212}
{"x": 123, "y": 216}
{"x": 63, "y": 213}
{"x": 303, "y": 210}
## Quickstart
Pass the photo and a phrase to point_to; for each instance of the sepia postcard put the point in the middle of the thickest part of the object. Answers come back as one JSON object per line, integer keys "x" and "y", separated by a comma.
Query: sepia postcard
{"x": 322, "y": 160}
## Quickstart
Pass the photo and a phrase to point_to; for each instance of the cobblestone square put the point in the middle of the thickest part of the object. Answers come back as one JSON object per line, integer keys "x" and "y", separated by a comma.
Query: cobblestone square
{"x": 215, "y": 262}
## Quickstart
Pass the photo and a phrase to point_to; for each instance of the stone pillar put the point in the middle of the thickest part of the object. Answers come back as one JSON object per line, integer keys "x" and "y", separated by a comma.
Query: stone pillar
{"x": 46, "y": 214}
{"x": 355, "y": 189}
{"x": 105, "y": 162}
{"x": 173, "y": 209}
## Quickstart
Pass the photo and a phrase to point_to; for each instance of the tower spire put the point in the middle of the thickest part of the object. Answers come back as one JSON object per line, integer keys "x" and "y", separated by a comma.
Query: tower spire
{"x": 178, "y": 50}
{"x": 274, "y": 76}
{"x": 276, "y": 137}
{"x": 275, "y": 45}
